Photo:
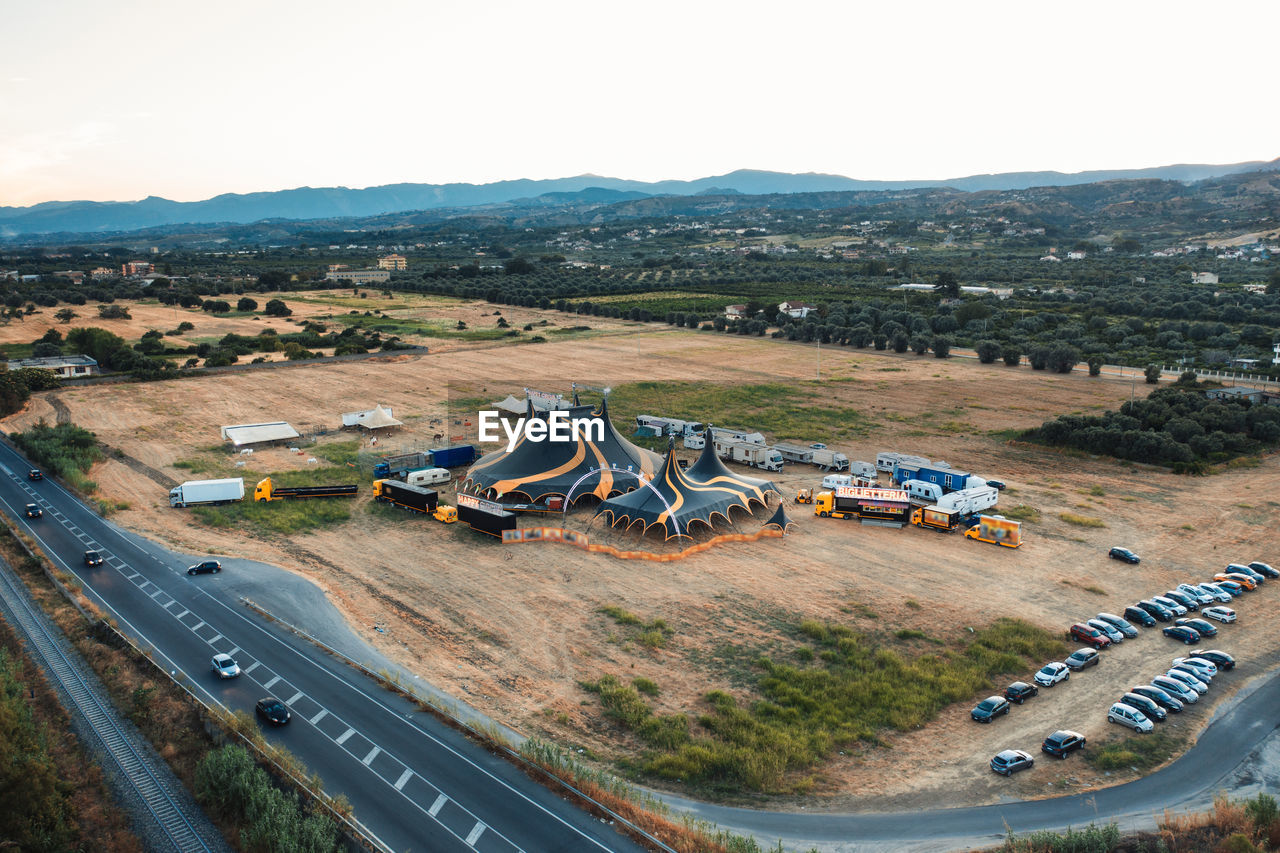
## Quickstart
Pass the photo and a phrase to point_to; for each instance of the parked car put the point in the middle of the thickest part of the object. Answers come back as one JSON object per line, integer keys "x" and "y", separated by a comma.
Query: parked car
{"x": 1147, "y": 706}
{"x": 1139, "y": 615}
{"x": 1227, "y": 584}
{"x": 1208, "y": 667}
{"x": 1011, "y": 761}
{"x": 1222, "y": 614}
{"x": 1108, "y": 630}
{"x": 1157, "y": 610}
{"x": 1178, "y": 689}
{"x": 1189, "y": 679}
{"x": 990, "y": 708}
{"x": 1127, "y": 715}
{"x": 1169, "y": 604}
{"x": 225, "y": 666}
{"x": 1051, "y": 673}
{"x": 35, "y": 474}
{"x": 1161, "y": 697}
{"x": 1236, "y": 569}
{"x": 1191, "y": 602}
{"x": 1121, "y": 625}
{"x": 996, "y": 484}
{"x": 1201, "y": 627}
{"x": 1200, "y": 595}
{"x": 1124, "y": 555}
{"x": 1219, "y": 594}
{"x": 1249, "y": 582}
{"x": 92, "y": 558}
{"x": 1231, "y": 581}
{"x": 1265, "y": 570}
{"x": 1020, "y": 691}
{"x": 208, "y": 567}
{"x": 1085, "y": 634}
{"x": 1221, "y": 660}
{"x": 1062, "y": 743}
{"x": 272, "y": 710}
{"x": 1182, "y": 634}
{"x": 33, "y": 511}
{"x": 1082, "y": 659}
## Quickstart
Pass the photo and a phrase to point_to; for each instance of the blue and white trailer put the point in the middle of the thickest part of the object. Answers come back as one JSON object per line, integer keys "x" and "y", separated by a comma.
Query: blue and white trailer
{"x": 950, "y": 479}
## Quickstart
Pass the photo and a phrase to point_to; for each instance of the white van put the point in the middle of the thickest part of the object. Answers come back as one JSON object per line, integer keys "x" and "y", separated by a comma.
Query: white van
{"x": 428, "y": 477}
{"x": 1127, "y": 715}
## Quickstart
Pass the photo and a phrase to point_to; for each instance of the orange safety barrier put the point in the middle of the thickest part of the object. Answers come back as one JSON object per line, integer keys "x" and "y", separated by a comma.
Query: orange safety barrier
{"x": 573, "y": 537}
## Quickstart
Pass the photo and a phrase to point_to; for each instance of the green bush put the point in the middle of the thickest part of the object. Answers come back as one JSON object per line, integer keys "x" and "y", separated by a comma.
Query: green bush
{"x": 65, "y": 449}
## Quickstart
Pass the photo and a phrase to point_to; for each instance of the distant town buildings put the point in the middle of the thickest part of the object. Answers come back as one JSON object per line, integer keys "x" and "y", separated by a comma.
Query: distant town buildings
{"x": 137, "y": 268}
{"x": 798, "y": 310}
{"x": 735, "y": 312}
{"x": 393, "y": 262}
{"x": 1076, "y": 256}
{"x": 359, "y": 276}
{"x": 1204, "y": 278}
{"x": 66, "y": 366}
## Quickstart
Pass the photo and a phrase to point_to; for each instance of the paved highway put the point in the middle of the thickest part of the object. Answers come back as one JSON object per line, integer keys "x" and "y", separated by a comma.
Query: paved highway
{"x": 415, "y": 783}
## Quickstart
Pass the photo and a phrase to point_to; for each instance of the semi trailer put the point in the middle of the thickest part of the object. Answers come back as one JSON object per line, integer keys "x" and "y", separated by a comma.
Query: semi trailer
{"x": 267, "y": 491}
{"x": 196, "y": 492}
{"x": 453, "y": 455}
{"x": 405, "y": 496}
{"x": 400, "y": 465}
{"x": 485, "y": 516}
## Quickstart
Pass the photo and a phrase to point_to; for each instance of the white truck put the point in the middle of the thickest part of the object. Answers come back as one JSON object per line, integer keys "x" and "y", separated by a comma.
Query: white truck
{"x": 889, "y": 461}
{"x": 830, "y": 460}
{"x": 428, "y": 477}
{"x": 659, "y": 426}
{"x": 970, "y": 501}
{"x": 720, "y": 433}
{"x": 194, "y": 492}
{"x": 749, "y": 453}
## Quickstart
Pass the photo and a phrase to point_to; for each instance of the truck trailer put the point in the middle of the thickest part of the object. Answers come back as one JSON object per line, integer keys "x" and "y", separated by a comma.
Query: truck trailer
{"x": 970, "y": 501}
{"x": 453, "y": 456}
{"x": 934, "y": 518}
{"x": 428, "y": 477}
{"x": 195, "y": 492}
{"x": 405, "y": 496}
{"x": 997, "y": 530}
{"x": 266, "y": 491}
{"x": 485, "y": 516}
{"x": 794, "y": 452}
{"x": 748, "y": 453}
{"x": 400, "y": 465}
{"x": 950, "y": 479}
{"x": 871, "y": 505}
{"x": 888, "y": 461}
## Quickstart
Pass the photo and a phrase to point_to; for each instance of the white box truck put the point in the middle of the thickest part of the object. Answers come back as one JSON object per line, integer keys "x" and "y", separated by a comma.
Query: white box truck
{"x": 194, "y": 492}
{"x": 830, "y": 460}
{"x": 748, "y": 453}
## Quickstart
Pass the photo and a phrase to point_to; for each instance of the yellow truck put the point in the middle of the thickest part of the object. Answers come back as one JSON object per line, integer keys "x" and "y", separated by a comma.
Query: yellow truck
{"x": 997, "y": 530}
{"x": 265, "y": 491}
{"x": 945, "y": 520}
{"x": 445, "y": 513}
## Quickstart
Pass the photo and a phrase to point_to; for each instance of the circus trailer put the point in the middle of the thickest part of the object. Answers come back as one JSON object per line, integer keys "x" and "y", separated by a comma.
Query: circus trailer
{"x": 748, "y": 453}
{"x": 399, "y": 466}
{"x": 794, "y": 452}
{"x": 871, "y": 505}
{"x": 485, "y": 516}
{"x": 888, "y": 461}
{"x": 453, "y": 456}
{"x": 405, "y": 496}
{"x": 970, "y": 501}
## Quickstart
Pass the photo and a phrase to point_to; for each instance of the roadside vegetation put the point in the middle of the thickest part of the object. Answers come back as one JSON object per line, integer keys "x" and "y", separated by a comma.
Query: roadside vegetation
{"x": 1138, "y": 753}
{"x": 66, "y": 450}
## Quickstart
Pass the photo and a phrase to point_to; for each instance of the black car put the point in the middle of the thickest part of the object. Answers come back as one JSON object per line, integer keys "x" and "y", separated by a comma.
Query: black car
{"x": 1124, "y": 555}
{"x": 1157, "y": 610}
{"x": 1142, "y": 617}
{"x": 1119, "y": 624}
{"x": 1020, "y": 691}
{"x": 1185, "y": 600}
{"x": 1221, "y": 660}
{"x": 272, "y": 710}
{"x": 35, "y": 474}
{"x": 92, "y": 558}
{"x": 1082, "y": 659}
{"x": 1146, "y": 705}
{"x": 1062, "y": 743}
{"x": 1182, "y": 634}
{"x": 1011, "y": 761}
{"x": 1265, "y": 570}
{"x": 33, "y": 511}
{"x": 1160, "y": 697}
{"x": 990, "y": 708}
{"x": 996, "y": 484}
{"x": 1200, "y": 626}
{"x": 208, "y": 567}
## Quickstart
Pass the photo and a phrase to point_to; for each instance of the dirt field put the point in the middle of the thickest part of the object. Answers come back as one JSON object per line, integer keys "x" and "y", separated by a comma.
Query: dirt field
{"x": 512, "y": 629}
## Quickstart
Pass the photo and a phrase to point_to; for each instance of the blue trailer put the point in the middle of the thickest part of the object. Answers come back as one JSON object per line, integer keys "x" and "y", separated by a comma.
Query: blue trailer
{"x": 950, "y": 479}
{"x": 452, "y": 457}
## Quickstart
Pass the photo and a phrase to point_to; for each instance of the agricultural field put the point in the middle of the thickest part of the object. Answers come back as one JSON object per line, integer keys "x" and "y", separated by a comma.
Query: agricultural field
{"x": 728, "y": 673}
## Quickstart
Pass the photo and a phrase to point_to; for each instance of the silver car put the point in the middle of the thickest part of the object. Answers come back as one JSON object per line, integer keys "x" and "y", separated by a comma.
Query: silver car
{"x": 1111, "y": 632}
{"x": 1219, "y": 595}
{"x": 1222, "y": 614}
{"x": 1208, "y": 667}
{"x": 1188, "y": 679}
{"x": 1169, "y": 603}
{"x": 1179, "y": 689}
{"x": 225, "y": 666}
{"x": 1197, "y": 593}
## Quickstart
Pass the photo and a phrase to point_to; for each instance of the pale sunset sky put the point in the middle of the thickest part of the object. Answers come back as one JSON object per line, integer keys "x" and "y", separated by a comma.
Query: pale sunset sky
{"x": 118, "y": 101}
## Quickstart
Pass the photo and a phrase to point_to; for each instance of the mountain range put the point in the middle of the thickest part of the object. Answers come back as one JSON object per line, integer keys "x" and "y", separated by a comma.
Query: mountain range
{"x": 307, "y": 203}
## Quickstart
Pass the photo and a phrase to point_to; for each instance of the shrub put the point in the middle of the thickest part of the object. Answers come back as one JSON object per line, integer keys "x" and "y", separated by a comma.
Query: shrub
{"x": 1152, "y": 374}
{"x": 277, "y": 308}
{"x": 941, "y": 346}
{"x": 1012, "y": 355}
{"x": 988, "y": 352}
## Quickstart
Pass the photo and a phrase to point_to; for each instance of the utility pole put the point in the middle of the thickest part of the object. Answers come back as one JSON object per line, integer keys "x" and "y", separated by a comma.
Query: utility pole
{"x": 819, "y": 339}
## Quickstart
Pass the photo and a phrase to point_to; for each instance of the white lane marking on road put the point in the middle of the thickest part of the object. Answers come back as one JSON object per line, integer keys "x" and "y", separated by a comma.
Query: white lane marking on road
{"x": 271, "y": 683}
{"x": 132, "y": 576}
{"x": 342, "y": 738}
{"x": 158, "y": 591}
{"x": 474, "y": 836}
{"x": 215, "y": 639}
{"x": 252, "y": 667}
{"x": 373, "y": 753}
{"x": 404, "y": 779}
{"x": 183, "y": 613}
{"x": 172, "y": 602}
{"x": 437, "y": 805}
{"x": 235, "y": 650}
{"x": 295, "y": 698}
{"x": 324, "y": 712}
{"x": 198, "y": 627}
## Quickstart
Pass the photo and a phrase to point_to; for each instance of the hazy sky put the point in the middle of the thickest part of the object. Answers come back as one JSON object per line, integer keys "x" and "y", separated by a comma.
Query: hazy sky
{"x": 187, "y": 100}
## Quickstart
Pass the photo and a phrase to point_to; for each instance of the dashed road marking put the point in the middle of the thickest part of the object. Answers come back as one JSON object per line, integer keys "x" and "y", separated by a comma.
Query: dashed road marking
{"x": 342, "y": 738}
{"x": 404, "y": 779}
{"x": 373, "y": 753}
{"x": 235, "y": 650}
{"x": 474, "y": 835}
{"x": 271, "y": 683}
{"x": 295, "y": 699}
{"x": 437, "y": 805}
{"x": 252, "y": 667}
{"x": 324, "y": 712}
{"x": 198, "y": 627}
{"x": 183, "y": 613}
{"x": 215, "y": 639}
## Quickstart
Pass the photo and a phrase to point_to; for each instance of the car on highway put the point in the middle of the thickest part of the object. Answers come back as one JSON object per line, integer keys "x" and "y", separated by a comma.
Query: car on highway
{"x": 1082, "y": 659}
{"x": 1111, "y": 632}
{"x": 1161, "y": 697}
{"x": 1208, "y": 667}
{"x": 1127, "y": 715}
{"x": 1221, "y": 660}
{"x": 1227, "y": 585}
{"x": 1179, "y": 690}
{"x": 1139, "y": 615}
{"x": 272, "y": 710}
{"x": 225, "y": 666}
{"x": 1147, "y": 706}
{"x": 1086, "y": 634}
{"x": 1051, "y": 673}
{"x": 1265, "y": 569}
{"x": 35, "y": 474}
{"x": 1020, "y": 691}
{"x": 1169, "y": 604}
{"x": 1200, "y": 595}
{"x": 1219, "y": 594}
{"x": 1200, "y": 626}
{"x": 33, "y": 511}
{"x": 1182, "y": 634}
{"x": 1122, "y": 625}
{"x": 1187, "y": 600}
{"x": 208, "y": 567}
{"x": 1188, "y": 679}
{"x": 990, "y": 708}
{"x": 1010, "y": 761}
{"x": 1222, "y": 614}
{"x": 1124, "y": 555}
{"x": 1158, "y": 611}
{"x": 1236, "y": 569}
{"x": 92, "y": 558}
{"x": 1062, "y": 743}
{"x": 1230, "y": 579}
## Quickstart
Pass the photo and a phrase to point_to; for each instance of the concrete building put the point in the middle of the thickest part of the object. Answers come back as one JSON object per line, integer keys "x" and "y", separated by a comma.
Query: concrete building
{"x": 1204, "y": 278}
{"x": 393, "y": 262}
{"x": 137, "y": 268}
{"x": 66, "y": 366}
{"x": 359, "y": 276}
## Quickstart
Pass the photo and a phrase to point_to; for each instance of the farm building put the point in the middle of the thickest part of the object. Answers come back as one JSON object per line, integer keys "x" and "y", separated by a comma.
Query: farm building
{"x": 246, "y": 435}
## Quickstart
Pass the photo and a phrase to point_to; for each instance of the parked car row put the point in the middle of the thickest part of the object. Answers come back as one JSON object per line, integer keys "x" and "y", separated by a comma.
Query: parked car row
{"x": 1183, "y": 684}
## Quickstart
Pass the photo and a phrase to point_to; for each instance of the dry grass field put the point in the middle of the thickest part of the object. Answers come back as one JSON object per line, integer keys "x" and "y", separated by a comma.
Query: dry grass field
{"x": 514, "y": 629}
